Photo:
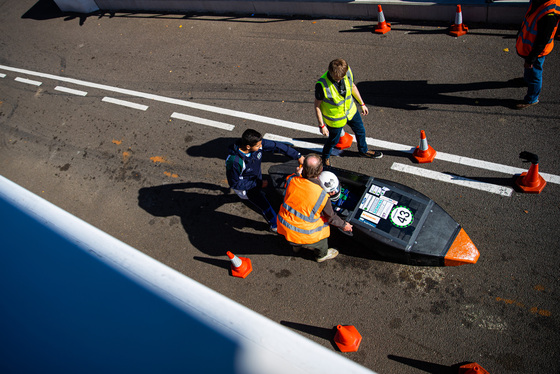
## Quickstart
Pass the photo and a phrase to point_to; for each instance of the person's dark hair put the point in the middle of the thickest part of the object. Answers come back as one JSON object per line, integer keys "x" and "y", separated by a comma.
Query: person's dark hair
{"x": 338, "y": 69}
{"x": 250, "y": 138}
{"x": 312, "y": 166}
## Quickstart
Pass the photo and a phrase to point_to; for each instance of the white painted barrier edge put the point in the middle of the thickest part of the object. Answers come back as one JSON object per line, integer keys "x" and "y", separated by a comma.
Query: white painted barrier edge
{"x": 267, "y": 347}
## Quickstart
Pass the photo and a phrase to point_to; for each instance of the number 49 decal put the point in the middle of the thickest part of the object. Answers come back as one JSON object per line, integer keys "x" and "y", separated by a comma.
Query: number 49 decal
{"x": 401, "y": 217}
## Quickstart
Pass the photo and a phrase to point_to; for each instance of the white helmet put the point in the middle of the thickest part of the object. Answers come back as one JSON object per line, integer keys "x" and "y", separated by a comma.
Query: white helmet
{"x": 330, "y": 184}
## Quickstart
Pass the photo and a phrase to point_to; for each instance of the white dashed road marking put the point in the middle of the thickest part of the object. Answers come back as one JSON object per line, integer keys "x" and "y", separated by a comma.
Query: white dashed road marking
{"x": 28, "y": 81}
{"x": 453, "y": 179}
{"x": 70, "y": 91}
{"x": 124, "y": 103}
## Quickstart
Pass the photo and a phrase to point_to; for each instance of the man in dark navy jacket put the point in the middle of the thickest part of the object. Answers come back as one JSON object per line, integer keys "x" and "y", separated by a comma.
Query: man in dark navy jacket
{"x": 244, "y": 174}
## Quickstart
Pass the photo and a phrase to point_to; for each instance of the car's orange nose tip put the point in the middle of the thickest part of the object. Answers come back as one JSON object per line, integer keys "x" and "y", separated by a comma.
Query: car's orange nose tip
{"x": 462, "y": 251}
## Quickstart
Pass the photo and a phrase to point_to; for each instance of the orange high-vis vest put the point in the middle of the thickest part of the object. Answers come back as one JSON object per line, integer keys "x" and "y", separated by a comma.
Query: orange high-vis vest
{"x": 299, "y": 219}
{"x": 528, "y": 32}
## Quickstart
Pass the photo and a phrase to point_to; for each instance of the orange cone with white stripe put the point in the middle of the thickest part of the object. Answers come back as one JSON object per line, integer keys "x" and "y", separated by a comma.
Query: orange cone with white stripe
{"x": 382, "y": 26}
{"x": 424, "y": 153}
{"x": 347, "y": 338}
{"x": 531, "y": 181}
{"x": 345, "y": 141}
{"x": 240, "y": 266}
{"x": 458, "y": 28}
{"x": 472, "y": 368}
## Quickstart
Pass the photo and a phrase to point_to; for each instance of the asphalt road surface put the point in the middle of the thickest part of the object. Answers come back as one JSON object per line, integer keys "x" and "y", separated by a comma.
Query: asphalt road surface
{"x": 93, "y": 118}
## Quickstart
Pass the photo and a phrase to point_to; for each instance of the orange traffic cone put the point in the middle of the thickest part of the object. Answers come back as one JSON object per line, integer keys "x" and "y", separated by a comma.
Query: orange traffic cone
{"x": 382, "y": 26}
{"x": 531, "y": 181}
{"x": 240, "y": 266}
{"x": 458, "y": 29}
{"x": 345, "y": 141}
{"x": 347, "y": 338}
{"x": 472, "y": 368}
{"x": 424, "y": 153}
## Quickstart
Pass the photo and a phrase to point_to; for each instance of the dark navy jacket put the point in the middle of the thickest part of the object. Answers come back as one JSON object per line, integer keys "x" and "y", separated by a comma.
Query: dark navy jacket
{"x": 243, "y": 170}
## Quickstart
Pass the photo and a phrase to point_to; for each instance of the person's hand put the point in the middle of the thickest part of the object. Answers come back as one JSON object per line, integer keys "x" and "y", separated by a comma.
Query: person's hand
{"x": 325, "y": 131}
{"x": 365, "y": 110}
{"x": 527, "y": 65}
{"x": 264, "y": 183}
{"x": 300, "y": 160}
{"x": 347, "y": 227}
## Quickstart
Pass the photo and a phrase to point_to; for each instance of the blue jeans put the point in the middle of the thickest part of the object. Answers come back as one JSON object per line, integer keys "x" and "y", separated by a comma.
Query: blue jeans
{"x": 257, "y": 197}
{"x": 357, "y": 125}
{"x": 533, "y": 77}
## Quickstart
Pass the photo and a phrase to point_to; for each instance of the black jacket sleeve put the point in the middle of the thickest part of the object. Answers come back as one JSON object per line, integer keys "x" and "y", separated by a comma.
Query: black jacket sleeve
{"x": 279, "y": 147}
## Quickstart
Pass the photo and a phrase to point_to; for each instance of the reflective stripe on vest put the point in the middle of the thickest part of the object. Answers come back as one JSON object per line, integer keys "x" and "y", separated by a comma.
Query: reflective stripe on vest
{"x": 528, "y": 32}
{"x": 300, "y": 218}
{"x": 335, "y": 108}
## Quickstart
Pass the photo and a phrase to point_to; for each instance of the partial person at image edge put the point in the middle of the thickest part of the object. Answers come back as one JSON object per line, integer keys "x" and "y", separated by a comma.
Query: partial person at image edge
{"x": 535, "y": 40}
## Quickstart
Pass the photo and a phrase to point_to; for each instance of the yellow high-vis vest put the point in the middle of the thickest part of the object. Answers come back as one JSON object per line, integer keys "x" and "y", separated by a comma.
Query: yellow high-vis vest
{"x": 528, "y": 32}
{"x": 337, "y": 109}
{"x": 299, "y": 218}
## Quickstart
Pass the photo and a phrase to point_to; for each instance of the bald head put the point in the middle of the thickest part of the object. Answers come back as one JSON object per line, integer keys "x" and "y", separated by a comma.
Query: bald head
{"x": 312, "y": 166}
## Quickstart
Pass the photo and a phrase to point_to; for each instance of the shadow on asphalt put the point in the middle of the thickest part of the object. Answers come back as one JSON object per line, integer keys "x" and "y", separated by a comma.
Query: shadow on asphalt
{"x": 415, "y": 95}
{"x": 436, "y": 28}
{"x": 428, "y": 367}
{"x": 210, "y": 230}
{"x": 319, "y": 332}
{"x": 47, "y": 9}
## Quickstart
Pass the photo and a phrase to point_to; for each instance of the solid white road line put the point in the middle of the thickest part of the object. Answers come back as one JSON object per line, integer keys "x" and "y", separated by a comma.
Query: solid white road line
{"x": 70, "y": 91}
{"x": 28, "y": 81}
{"x": 453, "y": 179}
{"x": 500, "y": 190}
{"x": 203, "y": 121}
{"x": 124, "y": 103}
{"x": 492, "y": 166}
{"x": 288, "y": 124}
{"x": 466, "y": 161}
{"x": 376, "y": 143}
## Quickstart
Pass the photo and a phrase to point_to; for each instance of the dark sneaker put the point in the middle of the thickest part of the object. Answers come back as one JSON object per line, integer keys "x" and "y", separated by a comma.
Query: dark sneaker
{"x": 332, "y": 253}
{"x": 523, "y": 105}
{"x": 274, "y": 229}
{"x": 371, "y": 154}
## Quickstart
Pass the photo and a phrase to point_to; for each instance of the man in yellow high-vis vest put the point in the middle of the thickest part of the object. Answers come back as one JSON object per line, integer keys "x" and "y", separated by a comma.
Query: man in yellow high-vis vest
{"x": 535, "y": 40}
{"x": 335, "y": 92}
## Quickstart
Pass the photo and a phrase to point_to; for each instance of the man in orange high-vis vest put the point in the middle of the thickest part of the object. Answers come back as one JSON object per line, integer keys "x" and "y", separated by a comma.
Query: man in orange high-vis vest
{"x": 535, "y": 40}
{"x": 306, "y": 212}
